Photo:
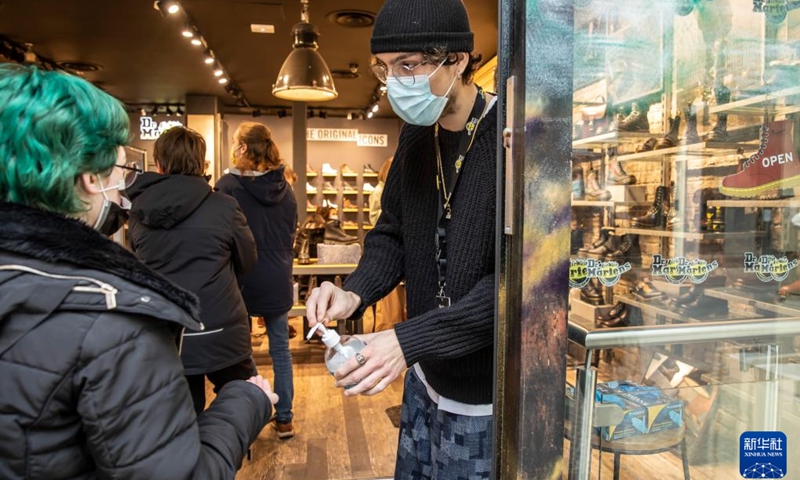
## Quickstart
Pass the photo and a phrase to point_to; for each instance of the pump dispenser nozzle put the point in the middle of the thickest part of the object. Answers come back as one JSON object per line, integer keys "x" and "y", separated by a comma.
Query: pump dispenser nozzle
{"x": 339, "y": 349}
{"x": 329, "y": 337}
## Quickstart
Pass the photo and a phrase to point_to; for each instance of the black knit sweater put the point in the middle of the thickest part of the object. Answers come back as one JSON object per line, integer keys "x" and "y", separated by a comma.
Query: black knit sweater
{"x": 454, "y": 346}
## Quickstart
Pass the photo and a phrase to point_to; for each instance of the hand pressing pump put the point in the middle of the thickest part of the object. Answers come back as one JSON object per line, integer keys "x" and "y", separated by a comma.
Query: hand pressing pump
{"x": 339, "y": 348}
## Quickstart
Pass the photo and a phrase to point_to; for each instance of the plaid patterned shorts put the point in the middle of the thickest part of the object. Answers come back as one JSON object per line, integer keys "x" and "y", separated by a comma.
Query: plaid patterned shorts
{"x": 437, "y": 445}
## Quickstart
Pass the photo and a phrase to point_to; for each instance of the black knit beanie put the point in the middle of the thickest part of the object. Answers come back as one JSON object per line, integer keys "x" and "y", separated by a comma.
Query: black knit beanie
{"x": 421, "y": 26}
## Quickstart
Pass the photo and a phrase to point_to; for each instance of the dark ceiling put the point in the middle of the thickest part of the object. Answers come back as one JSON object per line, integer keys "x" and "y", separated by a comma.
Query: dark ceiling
{"x": 146, "y": 61}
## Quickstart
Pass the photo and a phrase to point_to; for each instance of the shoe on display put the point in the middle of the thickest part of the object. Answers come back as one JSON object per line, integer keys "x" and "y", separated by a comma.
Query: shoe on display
{"x": 347, "y": 171}
{"x": 310, "y": 172}
{"x": 647, "y": 146}
{"x": 615, "y": 312}
{"x": 636, "y": 121}
{"x": 327, "y": 170}
{"x": 368, "y": 187}
{"x": 645, "y": 291}
{"x": 617, "y": 175}
{"x": 284, "y": 429}
{"x": 310, "y": 205}
{"x": 593, "y": 190}
{"x": 346, "y": 203}
{"x": 719, "y": 132}
{"x": 328, "y": 186}
{"x": 775, "y": 165}
{"x": 609, "y": 246}
{"x": 348, "y": 187}
{"x": 335, "y": 235}
{"x": 310, "y": 188}
{"x": 602, "y": 239}
{"x": 656, "y": 217}
{"x": 671, "y": 138}
{"x": 628, "y": 251}
{"x": 330, "y": 205}
{"x": 368, "y": 169}
{"x": 691, "y": 135}
{"x": 592, "y": 293}
{"x": 349, "y": 224}
{"x": 577, "y": 183}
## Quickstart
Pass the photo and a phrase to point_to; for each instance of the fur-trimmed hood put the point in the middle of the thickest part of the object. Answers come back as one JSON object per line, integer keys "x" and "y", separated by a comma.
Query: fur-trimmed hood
{"x": 60, "y": 245}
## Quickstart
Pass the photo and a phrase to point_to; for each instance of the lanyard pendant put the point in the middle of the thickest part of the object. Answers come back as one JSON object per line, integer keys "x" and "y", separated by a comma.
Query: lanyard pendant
{"x": 459, "y": 162}
{"x": 442, "y": 301}
{"x": 448, "y": 212}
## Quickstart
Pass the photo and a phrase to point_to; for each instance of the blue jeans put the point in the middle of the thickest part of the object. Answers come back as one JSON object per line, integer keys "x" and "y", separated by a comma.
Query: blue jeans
{"x": 278, "y": 335}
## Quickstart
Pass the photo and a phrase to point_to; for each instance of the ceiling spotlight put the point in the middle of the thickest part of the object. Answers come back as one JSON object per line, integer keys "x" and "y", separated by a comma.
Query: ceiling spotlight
{"x": 170, "y": 7}
{"x": 187, "y": 32}
{"x": 304, "y": 76}
{"x": 142, "y": 112}
{"x": 208, "y": 59}
{"x": 223, "y": 80}
{"x": 369, "y": 115}
{"x": 196, "y": 42}
{"x": 218, "y": 71}
{"x": 375, "y": 108}
{"x": 349, "y": 115}
{"x": 383, "y": 89}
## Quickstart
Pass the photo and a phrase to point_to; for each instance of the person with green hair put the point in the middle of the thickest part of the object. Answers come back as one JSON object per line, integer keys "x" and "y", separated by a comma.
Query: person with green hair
{"x": 91, "y": 382}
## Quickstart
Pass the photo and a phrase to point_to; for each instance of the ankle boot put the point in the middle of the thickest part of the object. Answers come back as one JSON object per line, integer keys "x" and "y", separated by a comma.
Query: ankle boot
{"x": 671, "y": 138}
{"x": 656, "y": 216}
{"x": 775, "y": 165}
{"x": 592, "y": 293}
{"x": 635, "y": 122}
{"x": 719, "y": 132}
{"x": 304, "y": 258}
{"x": 645, "y": 291}
{"x": 628, "y": 251}
{"x": 593, "y": 190}
{"x": 334, "y": 235}
{"x": 691, "y": 127}
{"x": 600, "y": 252}
{"x": 578, "y": 188}
{"x": 617, "y": 175}
{"x": 601, "y": 240}
{"x": 615, "y": 312}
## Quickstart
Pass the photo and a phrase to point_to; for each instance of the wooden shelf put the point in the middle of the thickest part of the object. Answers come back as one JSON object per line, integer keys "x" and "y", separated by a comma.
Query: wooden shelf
{"x": 790, "y": 308}
{"x": 311, "y": 175}
{"x": 330, "y": 192}
{"x": 612, "y": 138}
{"x": 349, "y": 175}
{"x": 759, "y": 104}
{"x": 777, "y": 203}
{"x": 350, "y": 210}
{"x": 367, "y": 227}
{"x": 350, "y": 227}
{"x": 350, "y": 192}
{"x": 685, "y": 152}
{"x": 371, "y": 175}
{"x": 330, "y": 175}
{"x": 651, "y": 232}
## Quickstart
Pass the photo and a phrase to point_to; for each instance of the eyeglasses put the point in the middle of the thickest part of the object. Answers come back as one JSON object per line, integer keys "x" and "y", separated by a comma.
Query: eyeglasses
{"x": 132, "y": 171}
{"x": 403, "y": 72}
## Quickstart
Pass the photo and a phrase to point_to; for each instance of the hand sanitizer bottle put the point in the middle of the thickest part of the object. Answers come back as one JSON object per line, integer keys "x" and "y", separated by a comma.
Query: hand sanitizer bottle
{"x": 339, "y": 348}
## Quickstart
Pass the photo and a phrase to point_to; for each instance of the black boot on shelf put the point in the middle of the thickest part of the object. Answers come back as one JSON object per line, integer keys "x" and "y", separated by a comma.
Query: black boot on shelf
{"x": 719, "y": 132}
{"x": 616, "y": 317}
{"x": 601, "y": 240}
{"x": 636, "y": 121}
{"x": 593, "y": 190}
{"x": 656, "y": 217}
{"x": 617, "y": 175}
{"x": 603, "y": 250}
{"x": 628, "y": 251}
{"x": 592, "y": 293}
{"x": 647, "y": 146}
{"x": 336, "y": 236}
{"x": 691, "y": 127}
{"x": 671, "y": 138}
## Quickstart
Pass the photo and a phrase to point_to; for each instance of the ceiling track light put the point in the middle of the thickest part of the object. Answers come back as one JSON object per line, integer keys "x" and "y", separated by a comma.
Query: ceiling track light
{"x": 167, "y": 7}
{"x": 304, "y": 76}
{"x": 208, "y": 57}
{"x": 369, "y": 114}
{"x": 223, "y": 80}
{"x": 375, "y": 108}
{"x": 187, "y": 31}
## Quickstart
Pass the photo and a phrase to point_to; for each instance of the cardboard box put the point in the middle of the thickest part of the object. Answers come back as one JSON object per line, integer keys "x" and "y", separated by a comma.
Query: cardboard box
{"x": 663, "y": 412}
{"x": 634, "y": 416}
{"x": 627, "y": 193}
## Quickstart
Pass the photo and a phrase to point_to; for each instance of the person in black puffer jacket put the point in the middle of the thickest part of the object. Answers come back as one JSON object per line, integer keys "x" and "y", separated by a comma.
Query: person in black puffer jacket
{"x": 199, "y": 240}
{"x": 91, "y": 383}
{"x": 259, "y": 184}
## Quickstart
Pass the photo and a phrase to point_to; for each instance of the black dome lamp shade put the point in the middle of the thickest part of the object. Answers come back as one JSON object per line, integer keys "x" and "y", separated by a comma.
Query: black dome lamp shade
{"x": 304, "y": 76}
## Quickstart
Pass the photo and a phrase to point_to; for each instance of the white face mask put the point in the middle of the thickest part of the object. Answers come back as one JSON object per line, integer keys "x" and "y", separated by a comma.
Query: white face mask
{"x": 416, "y": 104}
{"x": 112, "y": 216}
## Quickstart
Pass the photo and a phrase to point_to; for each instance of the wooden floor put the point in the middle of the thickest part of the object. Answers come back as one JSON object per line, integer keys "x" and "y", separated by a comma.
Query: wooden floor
{"x": 339, "y": 438}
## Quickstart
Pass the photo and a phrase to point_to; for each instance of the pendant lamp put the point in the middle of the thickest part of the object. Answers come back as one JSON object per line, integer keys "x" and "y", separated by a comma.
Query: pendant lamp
{"x": 304, "y": 76}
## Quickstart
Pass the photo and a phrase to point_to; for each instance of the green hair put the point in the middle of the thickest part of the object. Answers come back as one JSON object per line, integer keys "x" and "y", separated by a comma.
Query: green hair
{"x": 54, "y": 127}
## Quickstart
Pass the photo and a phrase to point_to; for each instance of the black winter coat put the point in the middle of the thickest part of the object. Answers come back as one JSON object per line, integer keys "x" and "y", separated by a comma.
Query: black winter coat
{"x": 200, "y": 241}
{"x": 91, "y": 385}
{"x": 271, "y": 210}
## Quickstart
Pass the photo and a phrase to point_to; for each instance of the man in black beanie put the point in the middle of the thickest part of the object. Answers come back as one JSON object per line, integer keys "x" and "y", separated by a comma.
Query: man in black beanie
{"x": 436, "y": 230}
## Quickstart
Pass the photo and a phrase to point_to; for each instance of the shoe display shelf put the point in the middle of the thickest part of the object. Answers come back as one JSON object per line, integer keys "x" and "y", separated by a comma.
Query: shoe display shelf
{"x": 610, "y": 139}
{"x": 767, "y": 302}
{"x": 776, "y": 103}
{"x": 687, "y": 152}
{"x": 667, "y": 311}
{"x": 698, "y": 236}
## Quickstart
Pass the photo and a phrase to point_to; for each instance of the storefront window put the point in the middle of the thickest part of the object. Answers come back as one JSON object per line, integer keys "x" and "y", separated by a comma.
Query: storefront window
{"x": 685, "y": 298}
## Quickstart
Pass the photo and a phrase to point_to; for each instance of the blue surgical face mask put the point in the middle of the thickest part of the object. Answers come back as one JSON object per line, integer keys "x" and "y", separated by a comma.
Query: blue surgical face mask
{"x": 416, "y": 104}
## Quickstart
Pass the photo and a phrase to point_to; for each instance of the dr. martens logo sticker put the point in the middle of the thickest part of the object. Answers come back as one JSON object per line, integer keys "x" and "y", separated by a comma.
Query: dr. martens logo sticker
{"x": 769, "y": 267}
{"x": 676, "y": 270}
{"x": 608, "y": 273}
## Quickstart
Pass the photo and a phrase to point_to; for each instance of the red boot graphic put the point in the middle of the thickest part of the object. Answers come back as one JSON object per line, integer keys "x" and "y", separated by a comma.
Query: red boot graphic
{"x": 775, "y": 165}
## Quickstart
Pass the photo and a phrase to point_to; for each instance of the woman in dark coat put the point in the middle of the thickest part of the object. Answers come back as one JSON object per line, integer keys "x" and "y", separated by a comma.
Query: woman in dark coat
{"x": 200, "y": 240}
{"x": 258, "y": 183}
{"x": 91, "y": 384}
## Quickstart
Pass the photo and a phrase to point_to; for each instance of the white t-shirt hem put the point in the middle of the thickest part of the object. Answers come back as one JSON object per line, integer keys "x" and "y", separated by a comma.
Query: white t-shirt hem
{"x": 452, "y": 406}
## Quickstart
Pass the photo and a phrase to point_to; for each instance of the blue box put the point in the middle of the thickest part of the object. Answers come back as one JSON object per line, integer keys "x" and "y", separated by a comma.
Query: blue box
{"x": 634, "y": 416}
{"x": 663, "y": 411}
